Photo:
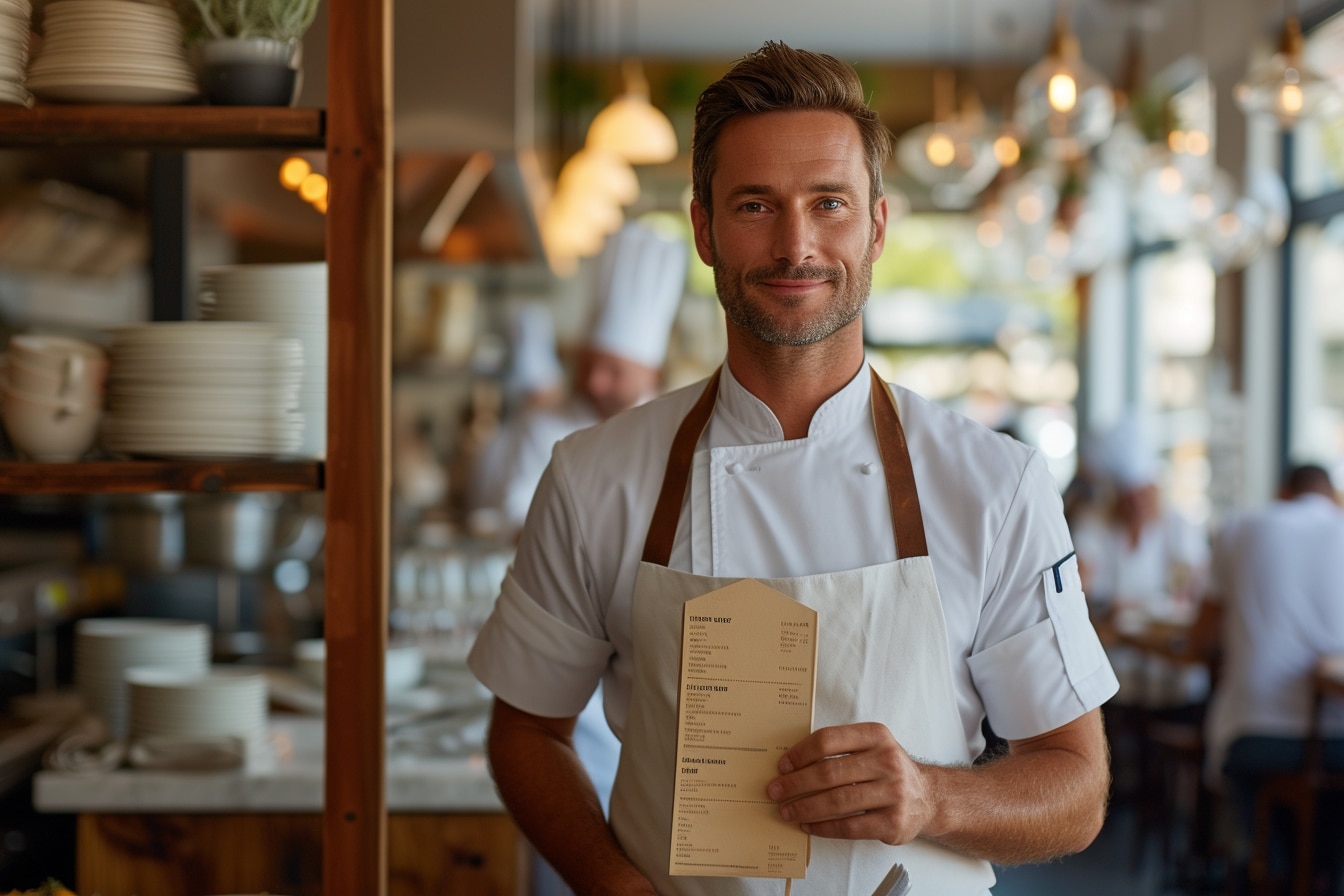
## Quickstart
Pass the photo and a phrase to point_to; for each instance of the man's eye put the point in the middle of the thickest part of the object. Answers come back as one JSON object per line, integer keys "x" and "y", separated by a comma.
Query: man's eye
{"x": 831, "y": 204}
{"x": 752, "y": 207}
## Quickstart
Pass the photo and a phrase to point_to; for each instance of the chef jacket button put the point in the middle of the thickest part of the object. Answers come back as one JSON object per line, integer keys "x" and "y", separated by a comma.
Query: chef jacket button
{"x": 734, "y": 468}
{"x": 866, "y": 468}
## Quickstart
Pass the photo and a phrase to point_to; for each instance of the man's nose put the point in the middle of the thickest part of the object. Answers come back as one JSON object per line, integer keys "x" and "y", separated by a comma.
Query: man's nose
{"x": 794, "y": 237}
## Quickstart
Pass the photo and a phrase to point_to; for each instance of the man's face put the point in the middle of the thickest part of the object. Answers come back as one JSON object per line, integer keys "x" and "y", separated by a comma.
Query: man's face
{"x": 612, "y": 383}
{"x": 793, "y": 234}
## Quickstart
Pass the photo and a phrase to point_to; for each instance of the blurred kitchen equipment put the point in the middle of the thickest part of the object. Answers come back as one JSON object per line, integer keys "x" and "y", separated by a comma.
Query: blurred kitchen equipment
{"x": 106, "y": 648}
{"x": 233, "y": 532}
{"x": 139, "y": 533}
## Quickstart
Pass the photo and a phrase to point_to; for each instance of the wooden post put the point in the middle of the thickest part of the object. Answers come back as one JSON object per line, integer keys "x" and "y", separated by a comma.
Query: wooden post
{"x": 359, "y": 228}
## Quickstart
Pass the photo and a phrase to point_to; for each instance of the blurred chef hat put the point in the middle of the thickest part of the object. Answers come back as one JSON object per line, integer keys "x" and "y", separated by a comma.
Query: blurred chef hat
{"x": 533, "y": 364}
{"x": 641, "y": 275}
{"x": 1125, "y": 453}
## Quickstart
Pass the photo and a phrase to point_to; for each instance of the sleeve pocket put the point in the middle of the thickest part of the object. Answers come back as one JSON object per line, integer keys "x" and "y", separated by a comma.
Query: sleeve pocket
{"x": 1067, "y": 606}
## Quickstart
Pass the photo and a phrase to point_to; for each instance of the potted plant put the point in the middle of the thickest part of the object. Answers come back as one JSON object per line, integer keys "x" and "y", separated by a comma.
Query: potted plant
{"x": 249, "y": 51}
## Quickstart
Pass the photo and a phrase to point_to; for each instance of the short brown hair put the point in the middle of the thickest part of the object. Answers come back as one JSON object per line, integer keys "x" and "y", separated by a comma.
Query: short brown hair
{"x": 778, "y": 78}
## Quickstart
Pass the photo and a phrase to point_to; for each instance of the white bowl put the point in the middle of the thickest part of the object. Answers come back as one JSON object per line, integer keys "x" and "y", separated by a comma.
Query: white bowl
{"x": 57, "y": 354}
{"x": 404, "y": 667}
{"x": 49, "y": 430}
{"x": 78, "y": 381}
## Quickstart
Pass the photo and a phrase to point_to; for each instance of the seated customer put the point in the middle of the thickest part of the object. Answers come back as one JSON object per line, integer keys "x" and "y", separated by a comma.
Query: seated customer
{"x": 1276, "y": 606}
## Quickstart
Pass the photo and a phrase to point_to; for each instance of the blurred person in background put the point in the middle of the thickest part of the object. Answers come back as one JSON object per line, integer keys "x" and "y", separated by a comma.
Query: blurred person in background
{"x": 1145, "y": 563}
{"x": 1274, "y": 608}
{"x": 641, "y": 275}
{"x": 534, "y": 382}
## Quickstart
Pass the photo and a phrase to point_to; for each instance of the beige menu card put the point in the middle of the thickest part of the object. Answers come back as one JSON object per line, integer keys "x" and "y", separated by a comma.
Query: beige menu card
{"x": 748, "y": 677}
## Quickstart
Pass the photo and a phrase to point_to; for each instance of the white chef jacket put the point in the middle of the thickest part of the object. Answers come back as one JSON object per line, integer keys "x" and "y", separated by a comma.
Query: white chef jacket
{"x": 762, "y": 506}
{"x": 513, "y": 461}
{"x": 1143, "y": 574}
{"x": 1277, "y": 571}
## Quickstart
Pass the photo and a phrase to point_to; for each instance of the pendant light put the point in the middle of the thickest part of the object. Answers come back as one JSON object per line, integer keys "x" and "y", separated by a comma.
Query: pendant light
{"x": 953, "y": 155}
{"x": 631, "y": 126}
{"x": 1064, "y": 105}
{"x": 1284, "y": 86}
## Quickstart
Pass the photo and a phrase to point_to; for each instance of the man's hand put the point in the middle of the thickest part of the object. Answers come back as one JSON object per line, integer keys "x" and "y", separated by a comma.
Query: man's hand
{"x": 1045, "y": 798}
{"x": 853, "y": 782}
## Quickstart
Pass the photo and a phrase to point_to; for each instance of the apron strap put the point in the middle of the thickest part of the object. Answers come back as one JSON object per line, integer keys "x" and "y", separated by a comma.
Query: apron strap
{"x": 667, "y": 512}
{"x": 906, "y": 518}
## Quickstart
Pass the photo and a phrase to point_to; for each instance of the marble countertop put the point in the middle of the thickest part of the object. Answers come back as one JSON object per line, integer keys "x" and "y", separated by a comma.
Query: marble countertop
{"x": 287, "y": 780}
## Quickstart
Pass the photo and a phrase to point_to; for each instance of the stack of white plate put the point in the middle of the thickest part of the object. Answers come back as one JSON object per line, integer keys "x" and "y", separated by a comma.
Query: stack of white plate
{"x": 111, "y": 51}
{"x": 198, "y": 389}
{"x": 15, "y": 32}
{"x": 291, "y": 296}
{"x": 106, "y": 648}
{"x": 180, "y": 705}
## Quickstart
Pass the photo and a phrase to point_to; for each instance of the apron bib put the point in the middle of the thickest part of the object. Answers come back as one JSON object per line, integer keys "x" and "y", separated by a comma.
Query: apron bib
{"x": 881, "y": 657}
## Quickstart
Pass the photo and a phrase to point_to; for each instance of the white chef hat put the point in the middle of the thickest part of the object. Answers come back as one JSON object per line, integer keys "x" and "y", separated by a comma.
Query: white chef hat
{"x": 641, "y": 275}
{"x": 533, "y": 364}
{"x": 1127, "y": 455}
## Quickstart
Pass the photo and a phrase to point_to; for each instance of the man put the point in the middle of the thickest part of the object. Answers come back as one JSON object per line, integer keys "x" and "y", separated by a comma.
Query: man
{"x": 786, "y": 483}
{"x": 1274, "y": 610}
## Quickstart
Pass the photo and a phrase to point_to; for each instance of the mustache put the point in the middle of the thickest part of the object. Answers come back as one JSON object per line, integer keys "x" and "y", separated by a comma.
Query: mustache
{"x": 793, "y": 272}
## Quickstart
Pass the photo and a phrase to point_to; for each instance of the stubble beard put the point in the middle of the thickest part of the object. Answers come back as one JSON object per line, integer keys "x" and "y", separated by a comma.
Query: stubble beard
{"x": 846, "y": 304}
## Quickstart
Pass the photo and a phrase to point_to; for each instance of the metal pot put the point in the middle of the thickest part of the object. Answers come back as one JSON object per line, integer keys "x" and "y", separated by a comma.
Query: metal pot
{"x": 232, "y": 532}
{"x": 139, "y": 533}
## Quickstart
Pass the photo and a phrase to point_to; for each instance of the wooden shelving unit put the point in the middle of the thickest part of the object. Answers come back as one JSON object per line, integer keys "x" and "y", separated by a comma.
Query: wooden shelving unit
{"x": 130, "y": 476}
{"x": 356, "y": 132}
{"x": 162, "y": 127}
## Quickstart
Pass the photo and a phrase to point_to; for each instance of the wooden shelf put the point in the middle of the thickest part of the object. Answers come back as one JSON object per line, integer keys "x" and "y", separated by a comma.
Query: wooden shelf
{"x": 138, "y": 476}
{"x": 163, "y": 127}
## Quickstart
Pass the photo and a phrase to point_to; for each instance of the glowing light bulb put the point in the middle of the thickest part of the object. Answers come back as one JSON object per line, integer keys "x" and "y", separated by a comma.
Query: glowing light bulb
{"x": 940, "y": 149}
{"x": 1197, "y": 143}
{"x": 1176, "y": 141}
{"x": 1063, "y": 92}
{"x": 313, "y": 188}
{"x": 1029, "y": 208}
{"x": 1290, "y": 99}
{"x": 292, "y": 172}
{"x": 990, "y": 233}
{"x": 1007, "y": 150}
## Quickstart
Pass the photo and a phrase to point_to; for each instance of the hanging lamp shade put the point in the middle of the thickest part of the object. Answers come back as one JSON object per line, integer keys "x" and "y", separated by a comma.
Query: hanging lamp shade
{"x": 632, "y": 127}
{"x": 952, "y": 155}
{"x": 1284, "y": 86}
{"x": 1064, "y": 105}
{"x": 596, "y": 170}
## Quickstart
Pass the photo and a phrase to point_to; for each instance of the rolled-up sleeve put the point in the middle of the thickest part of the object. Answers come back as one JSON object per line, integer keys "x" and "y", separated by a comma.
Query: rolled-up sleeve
{"x": 1050, "y": 673}
{"x": 534, "y": 661}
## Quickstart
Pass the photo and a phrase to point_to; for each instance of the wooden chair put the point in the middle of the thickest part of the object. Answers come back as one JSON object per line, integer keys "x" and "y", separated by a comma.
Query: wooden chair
{"x": 1300, "y": 793}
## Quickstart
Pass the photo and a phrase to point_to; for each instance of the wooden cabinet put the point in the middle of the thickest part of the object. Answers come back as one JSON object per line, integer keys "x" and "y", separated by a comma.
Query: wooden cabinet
{"x": 168, "y": 855}
{"x": 355, "y": 130}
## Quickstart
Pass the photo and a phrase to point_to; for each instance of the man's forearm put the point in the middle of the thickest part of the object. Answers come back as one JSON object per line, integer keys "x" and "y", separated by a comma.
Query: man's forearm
{"x": 551, "y": 797}
{"x": 1045, "y": 798}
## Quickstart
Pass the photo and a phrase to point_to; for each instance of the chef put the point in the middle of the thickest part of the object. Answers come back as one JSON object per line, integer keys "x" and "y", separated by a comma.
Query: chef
{"x": 933, "y": 550}
{"x": 641, "y": 276}
{"x": 640, "y": 279}
{"x": 1149, "y": 563}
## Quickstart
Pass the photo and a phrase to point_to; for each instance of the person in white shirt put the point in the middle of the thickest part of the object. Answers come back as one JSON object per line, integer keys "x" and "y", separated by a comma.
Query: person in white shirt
{"x": 933, "y": 550}
{"x": 1274, "y": 608}
{"x": 1145, "y": 562}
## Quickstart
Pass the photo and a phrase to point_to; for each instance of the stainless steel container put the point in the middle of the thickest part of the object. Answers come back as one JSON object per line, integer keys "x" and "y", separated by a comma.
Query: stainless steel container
{"x": 139, "y": 533}
{"x": 234, "y": 532}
